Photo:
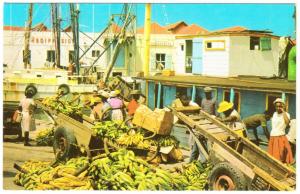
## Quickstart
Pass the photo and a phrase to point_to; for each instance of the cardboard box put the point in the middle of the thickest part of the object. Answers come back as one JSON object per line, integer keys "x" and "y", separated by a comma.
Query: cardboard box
{"x": 158, "y": 121}
{"x": 167, "y": 72}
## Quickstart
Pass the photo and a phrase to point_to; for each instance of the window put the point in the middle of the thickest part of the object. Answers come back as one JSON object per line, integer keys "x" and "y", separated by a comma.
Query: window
{"x": 29, "y": 57}
{"x": 254, "y": 43}
{"x": 51, "y": 55}
{"x": 71, "y": 56}
{"x": 215, "y": 45}
{"x": 265, "y": 43}
{"x": 160, "y": 61}
{"x": 95, "y": 53}
{"x": 236, "y": 102}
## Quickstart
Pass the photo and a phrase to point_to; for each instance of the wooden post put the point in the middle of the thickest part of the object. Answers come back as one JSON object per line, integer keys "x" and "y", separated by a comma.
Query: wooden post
{"x": 158, "y": 95}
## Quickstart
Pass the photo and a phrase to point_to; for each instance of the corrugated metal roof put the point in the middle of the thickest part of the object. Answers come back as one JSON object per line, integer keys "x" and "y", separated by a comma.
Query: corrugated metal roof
{"x": 232, "y": 29}
{"x": 243, "y": 83}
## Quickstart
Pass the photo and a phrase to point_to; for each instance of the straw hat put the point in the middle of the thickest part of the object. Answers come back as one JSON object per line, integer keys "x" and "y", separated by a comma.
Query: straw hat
{"x": 224, "y": 106}
{"x": 278, "y": 100}
{"x": 207, "y": 89}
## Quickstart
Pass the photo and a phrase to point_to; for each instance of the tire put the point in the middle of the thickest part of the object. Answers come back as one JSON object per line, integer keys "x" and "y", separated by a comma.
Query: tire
{"x": 64, "y": 144}
{"x": 31, "y": 87}
{"x": 65, "y": 88}
{"x": 224, "y": 176}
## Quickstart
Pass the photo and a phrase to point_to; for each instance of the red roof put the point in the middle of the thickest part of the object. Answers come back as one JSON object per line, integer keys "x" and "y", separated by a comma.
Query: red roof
{"x": 155, "y": 29}
{"x": 175, "y": 25}
{"x": 13, "y": 28}
{"x": 192, "y": 30}
{"x": 233, "y": 29}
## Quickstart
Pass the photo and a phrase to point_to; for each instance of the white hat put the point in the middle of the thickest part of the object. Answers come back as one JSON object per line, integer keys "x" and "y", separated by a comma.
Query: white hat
{"x": 207, "y": 89}
{"x": 278, "y": 100}
{"x": 103, "y": 93}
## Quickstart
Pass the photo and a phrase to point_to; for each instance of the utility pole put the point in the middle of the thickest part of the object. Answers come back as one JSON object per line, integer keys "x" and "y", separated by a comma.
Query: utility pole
{"x": 56, "y": 31}
{"x": 75, "y": 29}
{"x": 27, "y": 54}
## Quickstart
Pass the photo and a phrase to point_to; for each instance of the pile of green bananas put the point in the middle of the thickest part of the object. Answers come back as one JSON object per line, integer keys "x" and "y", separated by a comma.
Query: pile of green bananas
{"x": 122, "y": 170}
{"x": 168, "y": 141}
{"x": 197, "y": 174}
{"x": 45, "y": 137}
{"x": 110, "y": 129}
{"x": 41, "y": 176}
{"x": 74, "y": 111}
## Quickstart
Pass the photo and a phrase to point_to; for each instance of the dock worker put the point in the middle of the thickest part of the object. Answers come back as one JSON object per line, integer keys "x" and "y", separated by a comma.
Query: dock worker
{"x": 133, "y": 104}
{"x": 232, "y": 118}
{"x": 254, "y": 121}
{"x": 27, "y": 106}
{"x": 208, "y": 103}
{"x": 101, "y": 110}
{"x": 183, "y": 100}
{"x": 117, "y": 106}
{"x": 279, "y": 146}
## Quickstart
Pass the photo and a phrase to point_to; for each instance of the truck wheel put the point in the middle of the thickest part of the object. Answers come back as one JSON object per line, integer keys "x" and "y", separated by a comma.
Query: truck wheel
{"x": 65, "y": 88}
{"x": 31, "y": 87}
{"x": 64, "y": 144}
{"x": 226, "y": 177}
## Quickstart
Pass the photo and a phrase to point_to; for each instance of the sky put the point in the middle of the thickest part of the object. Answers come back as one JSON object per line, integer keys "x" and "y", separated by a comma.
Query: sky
{"x": 94, "y": 17}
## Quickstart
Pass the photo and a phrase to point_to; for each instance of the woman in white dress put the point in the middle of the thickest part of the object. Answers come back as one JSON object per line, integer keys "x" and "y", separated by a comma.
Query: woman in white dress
{"x": 27, "y": 106}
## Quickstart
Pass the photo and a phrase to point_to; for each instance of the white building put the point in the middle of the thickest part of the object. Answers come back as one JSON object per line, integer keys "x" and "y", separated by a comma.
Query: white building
{"x": 229, "y": 52}
{"x": 42, "y": 47}
{"x": 162, "y": 45}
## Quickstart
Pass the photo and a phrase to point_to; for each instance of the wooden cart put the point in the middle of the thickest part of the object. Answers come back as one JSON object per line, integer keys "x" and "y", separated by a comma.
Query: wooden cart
{"x": 238, "y": 163}
{"x": 73, "y": 135}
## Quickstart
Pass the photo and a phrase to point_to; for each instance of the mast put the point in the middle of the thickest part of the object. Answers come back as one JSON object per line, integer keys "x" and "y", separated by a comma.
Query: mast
{"x": 56, "y": 32}
{"x": 121, "y": 41}
{"x": 26, "y": 54}
{"x": 75, "y": 29}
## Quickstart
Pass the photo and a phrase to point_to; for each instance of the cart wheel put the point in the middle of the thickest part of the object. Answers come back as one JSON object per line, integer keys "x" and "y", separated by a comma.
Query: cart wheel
{"x": 225, "y": 177}
{"x": 154, "y": 155}
{"x": 64, "y": 144}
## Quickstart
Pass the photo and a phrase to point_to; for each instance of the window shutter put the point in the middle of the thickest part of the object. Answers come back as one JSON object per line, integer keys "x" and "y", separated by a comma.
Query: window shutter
{"x": 265, "y": 43}
{"x": 168, "y": 62}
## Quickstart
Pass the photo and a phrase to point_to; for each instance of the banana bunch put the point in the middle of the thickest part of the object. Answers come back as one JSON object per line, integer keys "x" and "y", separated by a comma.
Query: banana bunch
{"x": 197, "y": 175}
{"x": 41, "y": 176}
{"x": 110, "y": 129}
{"x": 168, "y": 141}
{"x": 45, "y": 137}
{"x": 130, "y": 139}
